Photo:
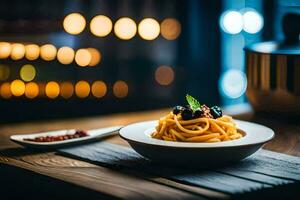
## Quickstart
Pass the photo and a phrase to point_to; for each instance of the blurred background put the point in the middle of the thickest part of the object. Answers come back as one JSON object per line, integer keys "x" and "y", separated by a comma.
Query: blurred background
{"x": 74, "y": 58}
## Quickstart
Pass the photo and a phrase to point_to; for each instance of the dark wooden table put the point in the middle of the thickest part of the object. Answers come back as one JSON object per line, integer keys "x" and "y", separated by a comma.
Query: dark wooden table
{"x": 25, "y": 173}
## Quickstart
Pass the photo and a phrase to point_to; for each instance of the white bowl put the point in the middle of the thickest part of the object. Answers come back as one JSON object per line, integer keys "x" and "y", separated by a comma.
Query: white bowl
{"x": 197, "y": 154}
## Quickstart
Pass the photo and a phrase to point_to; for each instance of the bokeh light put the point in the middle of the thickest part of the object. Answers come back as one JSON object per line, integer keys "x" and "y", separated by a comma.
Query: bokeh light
{"x": 231, "y": 22}
{"x": 48, "y": 52}
{"x": 101, "y": 26}
{"x": 170, "y": 28}
{"x": 32, "y": 51}
{"x": 5, "y": 91}
{"x": 31, "y": 90}
{"x": 74, "y": 23}
{"x": 83, "y": 57}
{"x": 18, "y": 51}
{"x": 65, "y": 55}
{"x": 253, "y": 21}
{"x": 164, "y": 75}
{"x": 52, "y": 89}
{"x": 125, "y": 28}
{"x": 66, "y": 90}
{"x": 5, "y": 50}
{"x": 82, "y": 89}
{"x": 233, "y": 83}
{"x": 149, "y": 29}
{"x": 99, "y": 89}
{"x": 120, "y": 89}
{"x": 96, "y": 56}
{"x": 27, "y": 72}
{"x": 17, "y": 88}
{"x": 4, "y": 72}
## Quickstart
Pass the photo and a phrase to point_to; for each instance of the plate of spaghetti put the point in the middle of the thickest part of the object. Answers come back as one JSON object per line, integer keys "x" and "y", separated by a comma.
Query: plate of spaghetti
{"x": 196, "y": 134}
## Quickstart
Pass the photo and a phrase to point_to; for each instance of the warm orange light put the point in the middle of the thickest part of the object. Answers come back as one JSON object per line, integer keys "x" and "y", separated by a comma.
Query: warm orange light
{"x": 164, "y": 75}
{"x": 18, "y": 51}
{"x": 96, "y": 56}
{"x": 74, "y": 23}
{"x": 125, "y": 28}
{"x": 5, "y": 50}
{"x": 99, "y": 89}
{"x": 27, "y": 72}
{"x": 52, "y": 89}
{"x": 149, "y": 29}
{"x": 5, "y": 90}
{"x": 32, "y": 51}
{"x": 82, "y": 89}
{"x": 31, "y": 90}
{"x": 170, "y": 28}
{"x": 4, "y": 72}
{"x": 101, "y": 26}
{"x": 17, "y": 88}
{"x": 120, "y": 89}
{"x": 83, "y": 57}
{"x": 48, "y": 52}
{"x": 65, "y": 55}
{"x": 67, "y": 90}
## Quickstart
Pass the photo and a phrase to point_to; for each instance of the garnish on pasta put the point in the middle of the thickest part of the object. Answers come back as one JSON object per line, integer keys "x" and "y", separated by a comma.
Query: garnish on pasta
{"x": 196, "y": 122}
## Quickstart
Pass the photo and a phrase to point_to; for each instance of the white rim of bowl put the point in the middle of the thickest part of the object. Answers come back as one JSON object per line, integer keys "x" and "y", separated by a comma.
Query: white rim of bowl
{"x": 139, "y": 133}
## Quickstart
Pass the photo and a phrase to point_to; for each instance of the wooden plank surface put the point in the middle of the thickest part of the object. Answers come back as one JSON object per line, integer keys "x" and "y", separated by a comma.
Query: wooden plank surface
{"x": 101, "y": 179}
{"x": 263, "y": 170}
{"x": 48, "y": 167}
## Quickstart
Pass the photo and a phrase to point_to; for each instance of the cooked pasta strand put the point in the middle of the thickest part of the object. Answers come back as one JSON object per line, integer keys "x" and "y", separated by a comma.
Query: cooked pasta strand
{"x": 213, "y": 140}
{"x": 202, "y": 138}
{"x": 173, "y": 128}
{"x": 202, "y": 130}
{"x": 181, "y": 137}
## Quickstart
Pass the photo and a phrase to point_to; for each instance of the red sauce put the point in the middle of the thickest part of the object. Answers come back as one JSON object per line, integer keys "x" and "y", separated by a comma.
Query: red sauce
{"x": 77, "y": 134}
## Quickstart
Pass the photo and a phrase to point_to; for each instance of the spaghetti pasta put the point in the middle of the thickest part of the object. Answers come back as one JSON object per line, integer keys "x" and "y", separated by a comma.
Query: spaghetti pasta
{"x": 173, "y": 128}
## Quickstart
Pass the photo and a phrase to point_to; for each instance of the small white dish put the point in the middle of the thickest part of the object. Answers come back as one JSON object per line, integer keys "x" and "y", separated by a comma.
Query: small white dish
{"x": 138, "y": 136}
{"x": 93, "y": 135}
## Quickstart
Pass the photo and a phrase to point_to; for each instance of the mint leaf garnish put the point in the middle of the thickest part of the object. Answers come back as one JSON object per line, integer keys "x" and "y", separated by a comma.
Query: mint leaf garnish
{"x": 194, "y": 104}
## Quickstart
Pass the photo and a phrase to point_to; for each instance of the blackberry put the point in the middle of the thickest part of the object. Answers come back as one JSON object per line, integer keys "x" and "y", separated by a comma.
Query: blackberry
{"x": 177, "y": 109}
{"x": 216, "y": 111}
{"x": 198, "y": 113}
{"x": 187, "y": 114}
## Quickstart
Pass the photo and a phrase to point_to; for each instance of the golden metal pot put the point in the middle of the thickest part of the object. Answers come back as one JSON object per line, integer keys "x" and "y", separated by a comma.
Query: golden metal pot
{"x": 273, "y": 72}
